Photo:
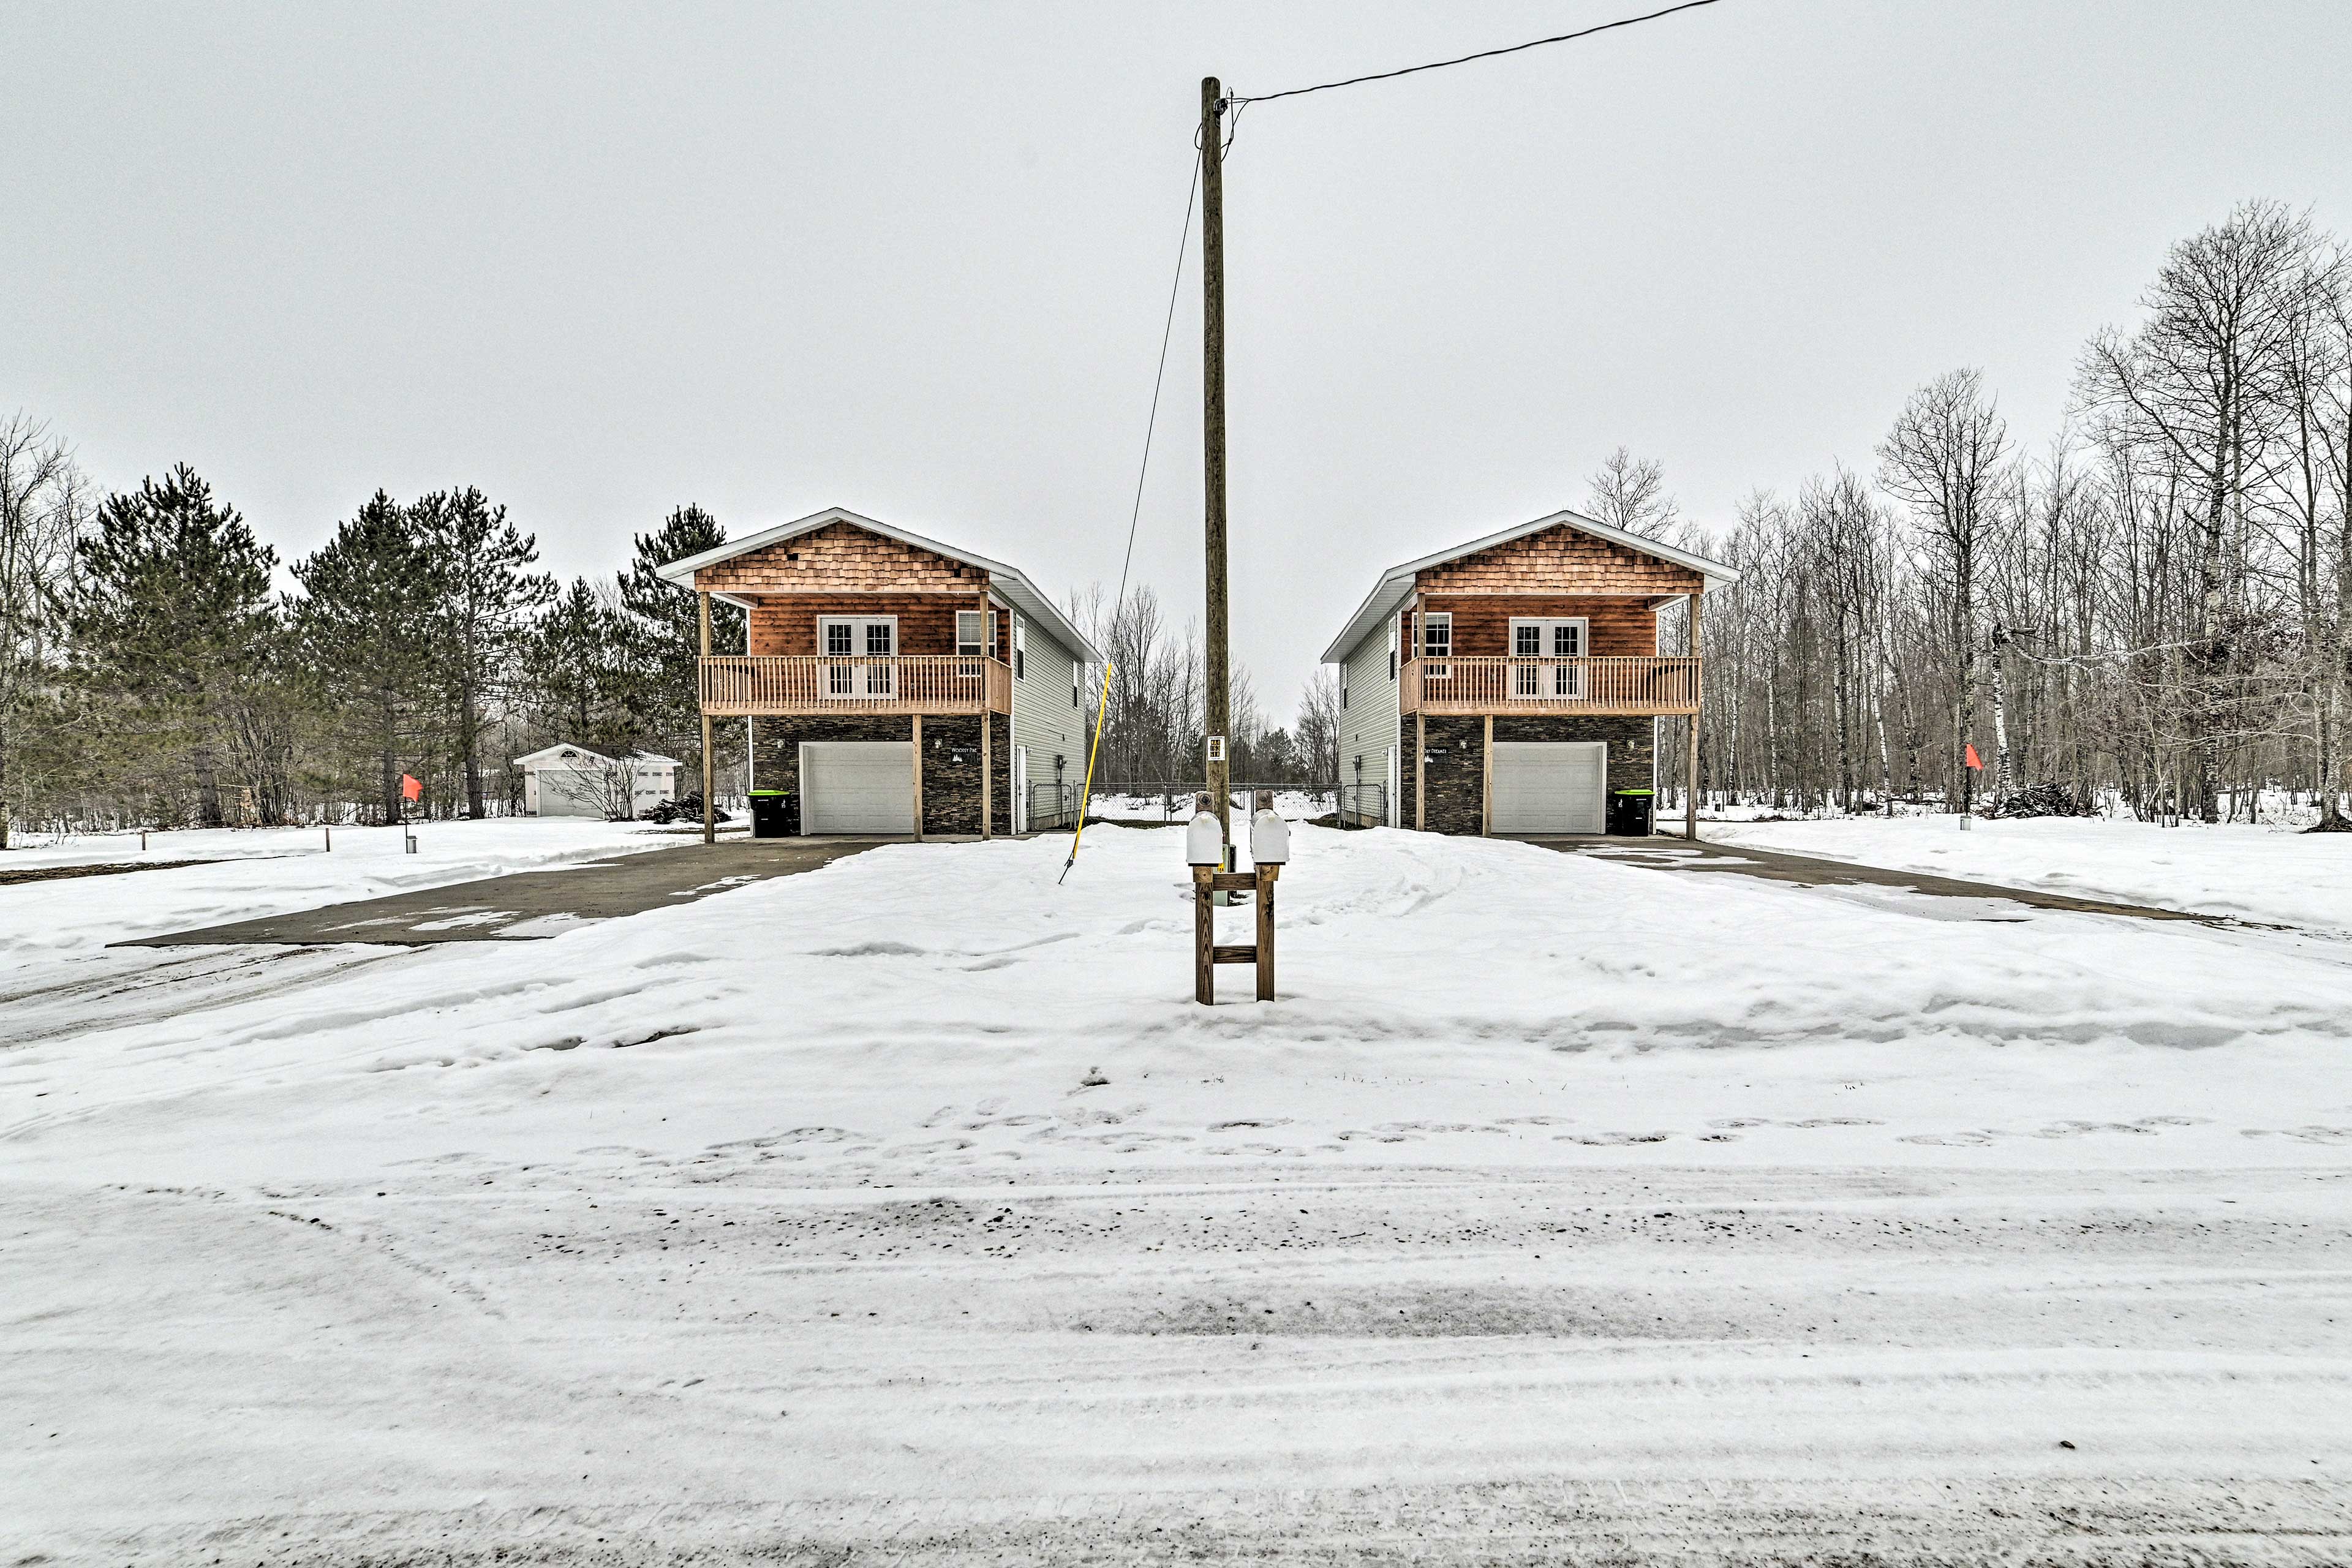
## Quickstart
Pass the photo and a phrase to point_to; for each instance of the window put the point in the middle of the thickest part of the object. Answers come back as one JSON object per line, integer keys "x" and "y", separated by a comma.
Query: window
{"x": 1437, "y": 644}
{"x": 857, "y": 641}
{"x": 1343, "y": 698}
{"x": 1392, "y": 649}
{"x": 1555, "y": 643}
{"x": 1020, "y": 650}
{"x": 968, "y": 634}
{"x": 1078, "y": 674}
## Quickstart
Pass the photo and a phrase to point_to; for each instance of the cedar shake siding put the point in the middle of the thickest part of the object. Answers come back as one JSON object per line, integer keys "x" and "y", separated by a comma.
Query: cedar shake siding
{"x": 839, "y": 558}
{"x": 1561, "y": 559}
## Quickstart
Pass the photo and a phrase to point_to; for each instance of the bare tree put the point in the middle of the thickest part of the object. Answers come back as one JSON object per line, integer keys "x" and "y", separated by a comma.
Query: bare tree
{"x": 1630, "y": 492}
{"x": 1943, "y": 460}
{"x": 44, "y": 511}
{"x": 2205, "y": 380}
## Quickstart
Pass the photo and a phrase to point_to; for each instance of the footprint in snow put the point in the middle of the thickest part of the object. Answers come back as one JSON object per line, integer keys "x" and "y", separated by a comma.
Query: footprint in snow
{"x": 1612, "y": 1140}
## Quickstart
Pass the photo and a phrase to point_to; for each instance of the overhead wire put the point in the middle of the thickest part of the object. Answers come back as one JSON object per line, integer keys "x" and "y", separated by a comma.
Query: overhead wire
{"x": 1135, "y": 513}
{"x": 1240, "y": 100}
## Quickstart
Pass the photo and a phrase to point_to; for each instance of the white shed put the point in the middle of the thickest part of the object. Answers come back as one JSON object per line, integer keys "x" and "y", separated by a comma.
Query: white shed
{"x": 573, "y": 780}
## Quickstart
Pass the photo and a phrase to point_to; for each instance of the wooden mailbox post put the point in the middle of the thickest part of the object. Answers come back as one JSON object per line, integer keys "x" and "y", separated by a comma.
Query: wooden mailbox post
{"x": 1208, "y": 881}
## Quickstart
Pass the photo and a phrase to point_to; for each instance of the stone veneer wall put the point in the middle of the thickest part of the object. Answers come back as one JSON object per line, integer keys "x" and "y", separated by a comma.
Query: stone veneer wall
{"x": 1455, "y": 778}
{"x": 950, "y": 787}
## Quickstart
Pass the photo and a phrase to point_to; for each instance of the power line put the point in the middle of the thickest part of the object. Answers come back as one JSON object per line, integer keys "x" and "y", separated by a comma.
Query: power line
{"x": 1238, "y": 99}
{"x": 1158, "y": 378}
{"x": 1135, "y": 514}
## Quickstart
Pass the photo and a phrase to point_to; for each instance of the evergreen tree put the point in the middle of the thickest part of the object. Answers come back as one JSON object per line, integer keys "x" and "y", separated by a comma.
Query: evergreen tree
{"x": 484, "y": 600}
{"x": 576, "y": 663}
{"x": 172, "y": 619}
{"x": 664, "y": 634}
{"x": 366, "y": 626}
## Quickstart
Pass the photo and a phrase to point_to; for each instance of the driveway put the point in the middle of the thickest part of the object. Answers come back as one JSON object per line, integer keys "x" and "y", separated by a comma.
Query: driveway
{"x": 533, "y": 904}
{"x": 1966, "y": 900}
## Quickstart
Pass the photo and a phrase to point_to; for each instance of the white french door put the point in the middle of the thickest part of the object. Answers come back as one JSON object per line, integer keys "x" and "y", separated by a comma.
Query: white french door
{"x": 864, "y": 644}
{"x": 1549, "y": 640}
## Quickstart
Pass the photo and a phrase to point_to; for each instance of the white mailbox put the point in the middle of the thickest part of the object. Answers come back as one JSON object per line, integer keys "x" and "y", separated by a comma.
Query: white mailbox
{"x": 1270, "y": 839}
{"x": 1204, "y": 841}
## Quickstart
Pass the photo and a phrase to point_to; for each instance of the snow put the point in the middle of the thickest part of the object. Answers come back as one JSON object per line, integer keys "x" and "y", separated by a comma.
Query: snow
{"x": 271, "y": 870}
{"x": 2271, "y": 874}
{"x": 1546, "y": 1172}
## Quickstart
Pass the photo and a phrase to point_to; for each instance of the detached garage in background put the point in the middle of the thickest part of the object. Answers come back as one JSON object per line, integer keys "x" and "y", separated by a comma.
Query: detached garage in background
{"x": 573, "y": 780}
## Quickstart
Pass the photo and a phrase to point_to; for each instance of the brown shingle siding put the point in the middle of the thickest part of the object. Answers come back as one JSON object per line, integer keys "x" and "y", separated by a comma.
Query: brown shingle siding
{"x": 840, "y": 558}
{"x": 1560, "y": 560}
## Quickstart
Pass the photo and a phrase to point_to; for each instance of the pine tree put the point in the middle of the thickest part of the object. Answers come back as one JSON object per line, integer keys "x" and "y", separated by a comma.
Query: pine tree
{"x": 664, "y": 634}
{"x": 484, "y": 599}
{"x": 575, "y": 661}
{"x": 364, "y": 625}
{"x": 171, "y": 618}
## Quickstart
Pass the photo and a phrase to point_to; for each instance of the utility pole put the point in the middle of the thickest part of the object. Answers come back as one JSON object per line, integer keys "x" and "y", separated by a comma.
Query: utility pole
{"x": 1213, "y": 441}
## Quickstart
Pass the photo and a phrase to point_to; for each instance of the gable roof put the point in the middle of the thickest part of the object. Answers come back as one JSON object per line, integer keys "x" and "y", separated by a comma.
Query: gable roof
{"x": 1024, "y": 595}
{"x": 1396, "y": 583}
{"x": 559, "y": 752}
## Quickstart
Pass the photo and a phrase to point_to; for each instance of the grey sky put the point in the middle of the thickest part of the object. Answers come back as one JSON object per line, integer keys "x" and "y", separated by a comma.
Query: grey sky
{"x": 912, "y": 259}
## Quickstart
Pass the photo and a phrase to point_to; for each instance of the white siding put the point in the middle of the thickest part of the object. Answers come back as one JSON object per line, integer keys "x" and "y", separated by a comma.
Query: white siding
{"x": 1043, "y": 719}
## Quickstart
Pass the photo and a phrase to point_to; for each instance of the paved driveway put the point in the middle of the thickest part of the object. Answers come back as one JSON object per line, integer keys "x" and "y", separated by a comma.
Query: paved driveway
{"x": 1957, "y": 899}
{"x": 533, "y": 904}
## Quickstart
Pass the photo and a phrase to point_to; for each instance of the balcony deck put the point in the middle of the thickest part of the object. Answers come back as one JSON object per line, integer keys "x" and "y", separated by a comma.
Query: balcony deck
{"x": 767, "y": 684}
{"x": 1554, "y": 686}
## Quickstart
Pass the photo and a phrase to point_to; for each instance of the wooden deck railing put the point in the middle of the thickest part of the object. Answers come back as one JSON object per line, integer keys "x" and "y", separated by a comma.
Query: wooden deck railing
{"x": 740, "y": 684}
{"x": 1612, "y": 686}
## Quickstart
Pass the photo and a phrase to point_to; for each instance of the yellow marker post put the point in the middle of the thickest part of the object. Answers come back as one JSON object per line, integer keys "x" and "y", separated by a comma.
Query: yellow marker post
{"x": 1102, "y": 708}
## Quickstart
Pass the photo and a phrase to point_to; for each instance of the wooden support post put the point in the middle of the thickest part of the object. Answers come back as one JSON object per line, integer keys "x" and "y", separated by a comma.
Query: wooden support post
{"x": 1205, "y": 939}
{"x": 1690, "y": 790}
{"x": 710, "y": 808}
{"x": 918, "y": 778}
{"x": 1486, "y": 782}
{"x": 1420, "y": 780}
{"x": 987, "y": 720}
{"x": 1266, "y": 876}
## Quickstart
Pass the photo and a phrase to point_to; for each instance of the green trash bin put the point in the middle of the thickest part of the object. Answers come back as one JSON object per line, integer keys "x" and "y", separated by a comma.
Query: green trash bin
{"x": 1629, "y": 813}
{"x": 772, "y": 814}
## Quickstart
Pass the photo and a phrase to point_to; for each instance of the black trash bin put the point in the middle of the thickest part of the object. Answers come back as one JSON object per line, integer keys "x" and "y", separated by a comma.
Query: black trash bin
{"x": 772, "y": 814}
{"x": 1629, "y": 813}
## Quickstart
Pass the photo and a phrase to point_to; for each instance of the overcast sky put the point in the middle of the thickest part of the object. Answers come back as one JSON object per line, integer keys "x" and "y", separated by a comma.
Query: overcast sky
{"x": 913, "y": 260}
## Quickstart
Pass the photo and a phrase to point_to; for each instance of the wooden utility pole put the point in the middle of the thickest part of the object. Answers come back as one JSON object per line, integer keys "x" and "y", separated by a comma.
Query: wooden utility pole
{"x": 709, "y": 820}
{"x": 1690, "y": 782}
{"x": 1213, "y": 438}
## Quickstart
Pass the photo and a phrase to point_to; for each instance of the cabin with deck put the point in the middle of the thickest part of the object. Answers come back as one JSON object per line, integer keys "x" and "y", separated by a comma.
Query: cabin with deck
{"x": 1514, "y": 685}
{"x": 895, "y": 685}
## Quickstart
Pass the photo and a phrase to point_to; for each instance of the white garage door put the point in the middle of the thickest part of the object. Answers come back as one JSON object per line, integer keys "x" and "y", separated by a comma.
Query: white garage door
{"x": 573, "y": 791}
{"x": 1550, "y": 786}
{"x": 858, "y": 787}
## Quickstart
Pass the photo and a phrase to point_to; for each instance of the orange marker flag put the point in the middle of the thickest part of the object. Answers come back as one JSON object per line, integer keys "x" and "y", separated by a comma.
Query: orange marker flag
{"x": 411, "y": 790}
{"x": 1973, "y": 761}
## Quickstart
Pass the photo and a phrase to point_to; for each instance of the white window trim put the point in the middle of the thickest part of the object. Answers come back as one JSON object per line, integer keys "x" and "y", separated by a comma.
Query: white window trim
{"x": 1019, "y": 649}
{"x": 1429, "y": 621}
{"x": 1574, "y": 675}
{"x": 865, "y": 687}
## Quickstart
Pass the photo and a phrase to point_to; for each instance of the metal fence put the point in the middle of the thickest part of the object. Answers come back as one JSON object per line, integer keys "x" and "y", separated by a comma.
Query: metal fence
{"x": 1052, "y": 805}
{"x": 1364, "y": 805}
{"x": 1172, "y": 798}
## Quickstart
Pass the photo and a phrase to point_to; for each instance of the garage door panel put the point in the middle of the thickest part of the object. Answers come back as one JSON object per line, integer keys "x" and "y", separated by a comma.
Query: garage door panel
{"x": 1550, "y": 786}
{"x": 858, "y": 787}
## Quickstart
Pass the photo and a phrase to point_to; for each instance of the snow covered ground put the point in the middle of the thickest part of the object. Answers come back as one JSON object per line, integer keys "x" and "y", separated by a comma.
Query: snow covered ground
{"x": 1559, "y": 1203}
{"x": 2276, "y": 874}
